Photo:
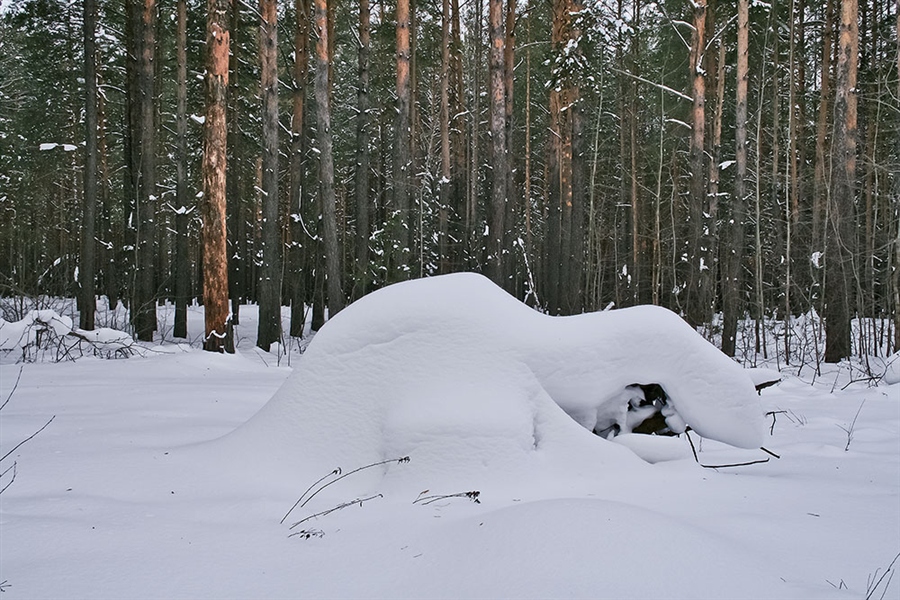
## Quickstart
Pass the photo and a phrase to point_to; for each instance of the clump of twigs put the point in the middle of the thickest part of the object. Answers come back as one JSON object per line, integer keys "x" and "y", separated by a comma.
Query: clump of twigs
{"x": 424, "y": 500}
{"x": 338, "y": 475}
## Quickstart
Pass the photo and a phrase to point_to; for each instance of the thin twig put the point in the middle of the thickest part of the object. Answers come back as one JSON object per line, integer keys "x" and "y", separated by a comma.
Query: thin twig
{"x": 14, "y": 471}
{"x": 15, "y": 385}
{"x": 769, "y": 452}
{"x": 425, "y": 500}
{"x": 743, "y": 464}
{"x": 694, "y": 450}
{"x": 323, "y": 478}
{"x": 772, "y": 414}
{"x": 871, "y": 591}
{"x": 336, "y": 508}
{"x": 404, "y": 459}
{"x": 16, "y": 447}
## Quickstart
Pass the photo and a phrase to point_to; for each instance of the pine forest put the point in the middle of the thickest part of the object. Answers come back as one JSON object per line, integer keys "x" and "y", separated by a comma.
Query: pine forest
{"x": 737, "y": 162}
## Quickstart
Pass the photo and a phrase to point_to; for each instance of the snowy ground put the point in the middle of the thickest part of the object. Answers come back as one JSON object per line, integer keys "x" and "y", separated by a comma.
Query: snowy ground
{"x": 132, "y": 490}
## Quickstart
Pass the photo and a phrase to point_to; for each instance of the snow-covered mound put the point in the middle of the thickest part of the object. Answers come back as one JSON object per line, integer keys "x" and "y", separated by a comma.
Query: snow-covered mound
{"x": 464, "y": 379}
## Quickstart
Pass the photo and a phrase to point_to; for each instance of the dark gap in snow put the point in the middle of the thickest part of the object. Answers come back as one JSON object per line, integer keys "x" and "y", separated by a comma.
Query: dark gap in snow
{"x": 647, "y": 410}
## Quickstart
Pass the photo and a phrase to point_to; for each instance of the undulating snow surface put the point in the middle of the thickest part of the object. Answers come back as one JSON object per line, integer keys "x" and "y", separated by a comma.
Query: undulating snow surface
{"x": 166, "y": 474}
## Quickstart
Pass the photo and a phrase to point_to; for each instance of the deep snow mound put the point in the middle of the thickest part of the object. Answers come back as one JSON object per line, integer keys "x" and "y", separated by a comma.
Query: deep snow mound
{"x": 461, "y": 377}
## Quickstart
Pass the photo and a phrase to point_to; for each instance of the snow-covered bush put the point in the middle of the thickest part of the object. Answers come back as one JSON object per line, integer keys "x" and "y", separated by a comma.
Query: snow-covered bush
{"x": 47, "y": 335}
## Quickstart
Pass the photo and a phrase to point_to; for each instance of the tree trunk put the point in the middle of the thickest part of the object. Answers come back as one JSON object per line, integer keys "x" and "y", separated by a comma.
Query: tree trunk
{"x": 326, "y": 163}
{"x": 500, "y": 178}
{"x": 820, "y": 183}
{"x": 269, "y": 330}
{"x": 238, "y": 267}
{"x": 144, "y": 309}
{"x": 300, "y": 241}
{"x": 87, "y": 266}
{"x": 732, "y": 281}
{"x": 182, "y": 274}
{"x": 401, "y": 227}
{"x": 840, "y": 245}
{"x": 697, "y": 306}
{"x": 444, "y": 185}
{"x": 213, "y": 214}
{"x": 363, "y": 202}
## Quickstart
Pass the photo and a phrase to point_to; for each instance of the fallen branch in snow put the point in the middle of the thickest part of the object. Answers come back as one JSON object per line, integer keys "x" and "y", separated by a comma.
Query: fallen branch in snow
{"x": 727, "y": 465}
{"x": 772, "y": 414}
{"x": 404, "y": 459}
{"x": 343, "y": 505}
{"x": 473, "y": 495}
{"x": 872, "y": 585}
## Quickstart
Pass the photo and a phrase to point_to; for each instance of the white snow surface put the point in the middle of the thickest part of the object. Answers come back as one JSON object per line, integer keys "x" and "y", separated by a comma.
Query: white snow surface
{"x": 165, "y": 475}
{"x": 468, "y": 382}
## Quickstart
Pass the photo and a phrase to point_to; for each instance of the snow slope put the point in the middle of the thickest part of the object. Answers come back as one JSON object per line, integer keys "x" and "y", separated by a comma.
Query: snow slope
{"x": 469, "y": 382}
{"x": 137, "y": 488}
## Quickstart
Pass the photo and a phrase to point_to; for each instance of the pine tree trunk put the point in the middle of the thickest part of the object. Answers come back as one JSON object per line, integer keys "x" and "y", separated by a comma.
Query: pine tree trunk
{"x": 144, "y": 309}
{"x": 400, "y": 219}
{"x": 87, "y": 265}
{"x": 732, "y": 281}
{"x": 300, "y": 241}
{"x": 213, "y": 213}
{"x": 500, "y": 176}
{"x": 182, "y": 274}
{"x": 363, "y": 202}
{"x": 840, "y": 245}
{"x": 697, "y": 308}
{"x": 444, "y": 185}
{"x": 269, "y": 330}
{"x": 238, "y": 269}
{"x": 326, "y": 163}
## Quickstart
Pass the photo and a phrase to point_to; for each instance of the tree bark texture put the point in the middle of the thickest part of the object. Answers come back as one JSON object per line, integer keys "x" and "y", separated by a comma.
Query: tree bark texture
{"x": 732, "y": 280}
{"x": 841, "y": 242}
{"x": 499, "y": 162}
{"x": 213, "y": 214}
{"x": 269, "y": 330}
{"x": 144, "y": 309}
{"x": 182, "y": 273}
{"x": 326, "y": 163}
{"x": 87, "y": 266}
{"x": 400, "y": 267}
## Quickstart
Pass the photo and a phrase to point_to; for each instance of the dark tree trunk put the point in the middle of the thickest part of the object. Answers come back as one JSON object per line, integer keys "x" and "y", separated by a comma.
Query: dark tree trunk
{"x": 841, "y": 237}
{"x": 363, "y": 203}
{"x": 401, "y": 230}
{"x": 500, "y": 175}
{"x": 213, "y": 236}
{"x": 326, "y": 163}
{"x": 269, "y": 330}
{"x": 732, "y": 280}
{"x": 87, "y": 267}
{"x": 182, "y": 272}
{"x": 144, "y": 309}
{"x": 300, "y": 241}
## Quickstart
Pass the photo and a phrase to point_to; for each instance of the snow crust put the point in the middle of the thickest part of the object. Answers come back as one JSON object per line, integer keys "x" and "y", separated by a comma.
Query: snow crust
{"x": 476, "y": 387}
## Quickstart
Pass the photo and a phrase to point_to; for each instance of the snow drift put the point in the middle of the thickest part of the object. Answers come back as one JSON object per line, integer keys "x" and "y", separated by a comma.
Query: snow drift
{"x": 466, "y": 380}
